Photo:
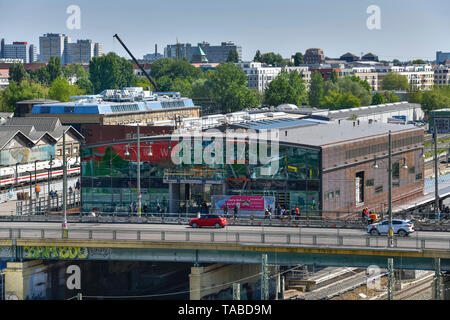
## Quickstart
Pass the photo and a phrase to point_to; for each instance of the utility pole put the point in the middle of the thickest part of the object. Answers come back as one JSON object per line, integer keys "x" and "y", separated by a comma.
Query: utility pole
{"x": 48, "y": 184}
{"x": 391, "y": 231}
{"x": 436, "y": 175}
{"x": 64, "y": 224}
{"x": 139, "y": 170}
{"x": 236, "y": 291}
{"x": 437, "y": 279}
{"x": 264, "y": 278}
{"x": 390, "y": 279}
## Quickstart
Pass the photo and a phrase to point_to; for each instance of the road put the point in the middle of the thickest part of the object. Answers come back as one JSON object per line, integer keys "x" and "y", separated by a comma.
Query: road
{"x": 230, "y": 234}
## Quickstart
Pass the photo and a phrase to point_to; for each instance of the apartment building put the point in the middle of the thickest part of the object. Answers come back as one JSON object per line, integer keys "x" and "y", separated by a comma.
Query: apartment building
{"x": 20, "y": 50}
{"x": 259, "y": 75}
{"x": 420, "y": 77}
{"x": 314, "y": 56}
{"x": 442, "y": 75}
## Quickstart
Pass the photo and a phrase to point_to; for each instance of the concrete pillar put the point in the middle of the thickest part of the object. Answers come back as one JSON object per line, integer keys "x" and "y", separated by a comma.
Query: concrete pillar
{"x": 25, "y": 280}
{"x": 174, "y": 203}
{"x": 208, "y": 280}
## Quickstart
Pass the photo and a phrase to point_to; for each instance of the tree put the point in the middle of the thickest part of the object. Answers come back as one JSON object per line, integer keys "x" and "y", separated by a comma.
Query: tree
{"x": 164, "y": 83}
{"x": 418, "y": 61}
{"x": 232, "y": 56}
{"x": 395, "y": 81}
{"x": 54, "y": 68}
{"x": 390, "y": 97}
{"x": 86, "y": 85}
{"x": 363, "y": 83}
{"x": 110, "y": 72}
{"x": 257, "y": 57}
{"x": 17, "y": 72}
{"x": 335, "y": 101}
{"x": 357, "y": 88}
{"x": 396, "y": 62}
{"x": 174, "y": 69}
{"x": 40, "y": 75}
{"x": 183, "y": 86}
{"x": 61, "y": 90}
{"x": 378, "y": 98}
{"x": 271, "y": 58}
{"x": 334, "y": 76}
{"x": 298, "y": 59}
{"x": 316, "y": 90}
{"x": 75, "y": 70}
{"x": 280, "y": 91}
{"x": 435, "y": 99}
{"x": 24, "y": 90}
{"x": 227, "y": 85}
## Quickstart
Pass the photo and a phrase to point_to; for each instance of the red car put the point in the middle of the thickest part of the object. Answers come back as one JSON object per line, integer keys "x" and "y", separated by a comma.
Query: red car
{"x": 209, "y": 220}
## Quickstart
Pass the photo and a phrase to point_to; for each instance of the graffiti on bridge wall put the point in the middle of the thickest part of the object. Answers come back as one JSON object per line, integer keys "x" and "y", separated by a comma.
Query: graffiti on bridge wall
{"x": 55, "y": 252}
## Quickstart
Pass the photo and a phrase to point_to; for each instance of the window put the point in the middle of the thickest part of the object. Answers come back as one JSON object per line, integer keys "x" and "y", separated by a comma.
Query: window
{"x": 369, "y": 183}
{"x": 396, "y": 171}
{"x": 419, "y": 176}
{"x": 330, "y": 195}
{"x": 379, "y": 189}
{"x": 59, "y": 152}
{"x": 412, "y": 170}
{"x": 337, "y": 194}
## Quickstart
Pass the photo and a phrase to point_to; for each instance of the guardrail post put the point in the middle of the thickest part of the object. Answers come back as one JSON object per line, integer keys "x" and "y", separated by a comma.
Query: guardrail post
{"x": 18, "y": 233}
{"x": 288, "y": 238}
{"x": 367, "y": 242}
{"x": 314, "y": 238}
{"x": 262, "y": 237}
{"x": 114, "y": 234}
{"x": 188, "y": 234}
{"x": 395, "y": 242}
{"x": 237, "y": 237}
{"x": 90, "y": 234}
{"x": 10, "y": 233}
{"x": 163, "y": 235}
{"x": 422, "y": 244}
{"x": 138, "y": 236}
{"x": 340, "y": 240}
{"x": 212, "y": 236}
{"x": 42, "y": 234}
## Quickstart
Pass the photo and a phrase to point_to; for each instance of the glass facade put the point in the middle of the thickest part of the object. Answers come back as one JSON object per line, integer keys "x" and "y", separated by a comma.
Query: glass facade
{"x": 109, "y": 176}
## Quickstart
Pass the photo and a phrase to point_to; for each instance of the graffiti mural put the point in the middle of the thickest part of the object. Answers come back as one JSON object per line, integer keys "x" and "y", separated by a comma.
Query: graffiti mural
{"x": 30, "y": 252}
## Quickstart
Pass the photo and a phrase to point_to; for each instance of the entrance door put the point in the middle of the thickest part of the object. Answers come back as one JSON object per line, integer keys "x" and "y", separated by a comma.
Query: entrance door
{"x": 359, "y": 188}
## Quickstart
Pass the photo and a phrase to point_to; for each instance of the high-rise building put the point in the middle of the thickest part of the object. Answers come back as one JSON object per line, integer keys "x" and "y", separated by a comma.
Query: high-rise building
{"x": 59, "y": 45}
{"x": 2, "y": 47}
{"x": 314, "y": 56}
{"x": 80, "y": 52}
{"x": 441, "y": 57}
{"x": 214, "y": 54}
{"x": 19, "y": 50}
{"x": 53, "y": 45}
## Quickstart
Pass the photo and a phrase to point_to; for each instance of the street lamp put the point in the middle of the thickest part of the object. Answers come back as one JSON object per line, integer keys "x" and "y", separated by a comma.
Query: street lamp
{"x": 49, "y": 178}
{"x": 31, "y": 191}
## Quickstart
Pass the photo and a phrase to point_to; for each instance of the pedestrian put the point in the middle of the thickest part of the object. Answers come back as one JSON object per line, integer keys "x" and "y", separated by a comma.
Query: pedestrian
{"x": 225, "y": 210}
{"x": 236, "y": 211}
{"x": 11, "y": 193}
{"x": 269, "y": 208}
{"x": 279, "y": 211}
{"x": 37, "y": 189}
{"x": 297, "y": 213}
{"x": 158, "y": 208}
{"x": 77, "y": 185}
{"x": 70, "y": 190}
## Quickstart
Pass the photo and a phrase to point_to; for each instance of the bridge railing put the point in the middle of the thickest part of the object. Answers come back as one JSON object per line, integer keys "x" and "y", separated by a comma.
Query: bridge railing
{"x": 264, "y": 237}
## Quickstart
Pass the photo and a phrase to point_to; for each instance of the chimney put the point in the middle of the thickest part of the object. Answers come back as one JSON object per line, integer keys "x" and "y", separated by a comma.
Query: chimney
{"x": 339, "y": 121}
{"x": 156, "y": 50}
{"x": 353, "y": 123}
{"x": 358, "y": 122}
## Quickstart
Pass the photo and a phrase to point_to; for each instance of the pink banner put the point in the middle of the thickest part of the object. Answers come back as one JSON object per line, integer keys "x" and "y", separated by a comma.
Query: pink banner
{"x": 253, "y": 203}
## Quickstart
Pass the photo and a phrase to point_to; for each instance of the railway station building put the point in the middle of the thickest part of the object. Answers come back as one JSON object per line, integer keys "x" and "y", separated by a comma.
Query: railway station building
{"x": 322, "y": 167}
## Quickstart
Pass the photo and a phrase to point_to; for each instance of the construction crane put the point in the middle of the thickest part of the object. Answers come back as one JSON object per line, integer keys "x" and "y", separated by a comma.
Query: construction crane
{"x": 135, "y": 61}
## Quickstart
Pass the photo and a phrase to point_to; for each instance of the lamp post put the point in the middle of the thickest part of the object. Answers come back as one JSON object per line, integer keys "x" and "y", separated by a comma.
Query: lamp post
{"x": 31, "y": 191}
{"x": 35, "y": 171}
{"x": 49, "y": 183}
{"x": 64, "y": 223}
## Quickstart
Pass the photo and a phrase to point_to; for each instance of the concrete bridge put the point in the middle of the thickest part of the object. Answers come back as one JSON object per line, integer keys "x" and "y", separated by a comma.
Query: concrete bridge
{"x": 27, "y": 245}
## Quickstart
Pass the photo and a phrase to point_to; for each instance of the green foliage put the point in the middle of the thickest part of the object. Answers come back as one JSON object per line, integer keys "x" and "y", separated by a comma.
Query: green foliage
{"x": 286, "y": 88}
{"x": 334, "y": 101}
{"x": 357, "y": 88}
{"x": 17, "y": 72}
{"x": 40, "y": 75}
{"x": 232, "y": 56}
{"x": 272, "y": 58}
{"x": 164, "y": 84}
{"x": 418, "y": 61}
{"x": 316, "y": 90}
{"x": 110, "y": 72}
{"x": 144, "y": 83}
{"x": 334, "y": 76}
{"x": 25, "y": 90}
{"x": 435, "y": 99}
{"x": 61, "y": 90}
{"x": 378, "y": 98}
{"x": 174, "y": 69}
{"x": 54, "y": 68}
{"x": 363, "y": 83}
{"x": 298, "y": 59}
{"x": 390, "y": 97}
{"x": 86, "y": 85}
{"x": 257, "y": 57}
{"x": 183, "y": 86}
{"x": 415, "y": 97}
{"x": 75, "y": 70}
{"x": 227, "y": 85}
{"x": 395, "y": 81}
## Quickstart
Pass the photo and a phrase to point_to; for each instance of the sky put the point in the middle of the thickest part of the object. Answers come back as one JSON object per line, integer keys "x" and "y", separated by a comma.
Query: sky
{"x": 409, "y": 29}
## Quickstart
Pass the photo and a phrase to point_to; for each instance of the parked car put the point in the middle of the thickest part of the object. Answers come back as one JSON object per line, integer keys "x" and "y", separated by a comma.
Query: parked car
{"x": 209, "y": 220}
{"x": 401, "y": 227}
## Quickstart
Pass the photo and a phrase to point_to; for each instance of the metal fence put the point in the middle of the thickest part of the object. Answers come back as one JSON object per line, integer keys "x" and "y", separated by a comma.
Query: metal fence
{"x": 45, "y": 204}
{"x": 298, "y": 238}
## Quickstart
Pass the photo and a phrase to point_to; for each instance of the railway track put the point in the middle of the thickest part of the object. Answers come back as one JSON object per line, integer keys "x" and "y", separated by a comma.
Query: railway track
{"x": 414, "y": 290}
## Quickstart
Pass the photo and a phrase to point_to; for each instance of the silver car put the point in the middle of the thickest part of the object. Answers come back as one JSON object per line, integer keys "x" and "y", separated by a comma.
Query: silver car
{"x": 401, "y": 227}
